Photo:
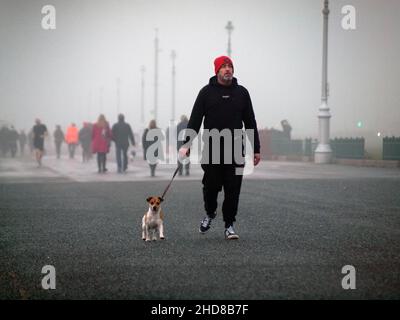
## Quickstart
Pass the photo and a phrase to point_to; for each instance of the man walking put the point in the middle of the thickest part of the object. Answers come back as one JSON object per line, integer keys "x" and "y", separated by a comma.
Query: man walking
{"x": 85, "y": 139}
{"x": 12, "y": 140}
{"x": 4, "y": 145}
{"x": 39, "y": 133}
{"x": 22, "y": 142}
{"x": 122, "y": 134}
{"x": 58, "y": 140}
{"x": 224, "y": 104}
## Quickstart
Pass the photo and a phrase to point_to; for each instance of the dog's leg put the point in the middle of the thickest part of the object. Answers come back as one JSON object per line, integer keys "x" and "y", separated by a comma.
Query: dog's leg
{"x": 144, "y": 228}
{"x": 161, "y": 230}
{"x": 147, "y": 233}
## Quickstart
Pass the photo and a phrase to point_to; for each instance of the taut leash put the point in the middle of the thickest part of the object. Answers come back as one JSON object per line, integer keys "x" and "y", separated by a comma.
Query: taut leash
{"x": 166, "y": 189}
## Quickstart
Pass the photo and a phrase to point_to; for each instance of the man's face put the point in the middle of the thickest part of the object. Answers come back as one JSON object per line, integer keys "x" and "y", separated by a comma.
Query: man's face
{"x": 226, "y": 72}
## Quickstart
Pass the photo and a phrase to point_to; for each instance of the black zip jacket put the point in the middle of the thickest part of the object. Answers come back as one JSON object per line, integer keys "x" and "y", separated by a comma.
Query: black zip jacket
{"x": 224, "y": 107}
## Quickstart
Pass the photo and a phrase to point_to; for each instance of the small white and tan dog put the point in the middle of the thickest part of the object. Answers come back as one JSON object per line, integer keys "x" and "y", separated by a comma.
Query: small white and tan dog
{"x": 152, "y": 222}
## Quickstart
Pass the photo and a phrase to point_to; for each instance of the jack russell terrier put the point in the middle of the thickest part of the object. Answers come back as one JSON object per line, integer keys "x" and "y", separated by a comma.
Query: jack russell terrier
{"x": 152, "y": 222}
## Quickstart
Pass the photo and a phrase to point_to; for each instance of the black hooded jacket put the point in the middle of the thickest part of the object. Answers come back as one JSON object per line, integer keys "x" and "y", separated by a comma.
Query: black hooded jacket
{"x": 224, "y": 107}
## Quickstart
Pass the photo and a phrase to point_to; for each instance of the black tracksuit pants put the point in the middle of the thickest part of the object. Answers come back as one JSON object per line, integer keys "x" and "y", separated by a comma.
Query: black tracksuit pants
{"x": 216, "y": 177}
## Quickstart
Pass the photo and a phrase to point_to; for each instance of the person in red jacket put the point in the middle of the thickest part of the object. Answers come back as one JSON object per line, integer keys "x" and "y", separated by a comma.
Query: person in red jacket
{"x": 72, "y": 139}
{"x": 101, "y": 139}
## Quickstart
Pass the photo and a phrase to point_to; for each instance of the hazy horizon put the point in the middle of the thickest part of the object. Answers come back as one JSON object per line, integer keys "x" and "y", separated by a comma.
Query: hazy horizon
{"x": 57, "y": 75}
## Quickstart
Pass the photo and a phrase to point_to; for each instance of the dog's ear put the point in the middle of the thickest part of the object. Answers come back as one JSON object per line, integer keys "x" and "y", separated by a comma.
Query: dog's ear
{"x": 161, "y": 199}
{"x": 148, "y": 199}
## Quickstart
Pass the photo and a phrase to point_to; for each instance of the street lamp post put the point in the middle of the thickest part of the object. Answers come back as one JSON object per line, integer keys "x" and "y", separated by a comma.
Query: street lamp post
{"x": 89, "y": 105}
{"x": 156, "y": 52}
{"x": 323, "y": 152}
{"x": 142, "y": 71}
{"x": 229, "y": 28}
{"x": 118, "y": 96}
{"x": 173, "y": 57}
{"x": 101, "y": 93}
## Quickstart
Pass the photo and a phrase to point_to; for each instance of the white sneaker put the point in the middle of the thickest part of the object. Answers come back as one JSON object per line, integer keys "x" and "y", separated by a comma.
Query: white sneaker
{"x": 230, "y": 234}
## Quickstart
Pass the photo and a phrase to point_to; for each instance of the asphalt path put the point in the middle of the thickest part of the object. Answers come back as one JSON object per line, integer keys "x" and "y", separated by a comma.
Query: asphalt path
{"x": 295, "y": 237}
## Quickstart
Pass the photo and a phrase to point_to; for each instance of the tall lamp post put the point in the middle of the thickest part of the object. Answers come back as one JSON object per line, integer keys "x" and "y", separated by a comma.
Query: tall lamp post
{"x": 229, "y": 28}
{"x": 101, "y": 93}
{"x": 142, "y": 71}
{"x": 173, "y": 57}
{"x": 323, "y": 152}
{"x": 118, "y": 95}
{"x": 156, "y": 52}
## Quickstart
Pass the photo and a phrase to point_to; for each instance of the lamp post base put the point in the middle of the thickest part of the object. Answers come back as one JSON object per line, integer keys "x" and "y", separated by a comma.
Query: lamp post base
{"x": 323, "y": 154}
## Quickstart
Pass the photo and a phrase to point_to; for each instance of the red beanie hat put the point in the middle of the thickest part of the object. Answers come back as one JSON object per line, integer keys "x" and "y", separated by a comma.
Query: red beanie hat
{"x": 218, "y": 62}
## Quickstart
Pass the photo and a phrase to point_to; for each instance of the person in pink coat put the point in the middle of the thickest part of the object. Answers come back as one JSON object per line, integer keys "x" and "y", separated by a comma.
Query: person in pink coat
{"x": 101, "y": 139}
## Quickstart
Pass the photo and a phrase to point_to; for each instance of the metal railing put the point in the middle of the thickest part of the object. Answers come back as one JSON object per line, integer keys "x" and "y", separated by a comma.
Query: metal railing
{"x": 348, "y": 148}
{"x": 391, "y": 148}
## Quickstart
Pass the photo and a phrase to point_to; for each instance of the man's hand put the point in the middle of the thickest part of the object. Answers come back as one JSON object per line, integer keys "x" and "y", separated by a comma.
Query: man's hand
{"x": 183, "y": 152}
{"x": 257, "y": 159}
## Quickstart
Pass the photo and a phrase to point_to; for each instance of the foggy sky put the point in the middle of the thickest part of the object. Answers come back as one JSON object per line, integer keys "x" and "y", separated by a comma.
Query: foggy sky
{"x": 56, "y": 75}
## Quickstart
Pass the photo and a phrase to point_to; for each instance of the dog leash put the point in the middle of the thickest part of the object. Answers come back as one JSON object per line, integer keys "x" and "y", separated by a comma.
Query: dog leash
{"x": 176, "y": 171}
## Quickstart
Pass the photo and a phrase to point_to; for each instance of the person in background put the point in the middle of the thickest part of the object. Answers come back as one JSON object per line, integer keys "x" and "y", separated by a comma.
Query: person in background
{"x": 122, "y": 134}
{"x": 101, "y": 138}
{"x": 39, "y": 133}
{"x": 85, "y": 138}
{"x": 148, "y": 140}
{"x": 180, "y": 129}
{"x": 4, "y": 146}
{"x": 12, "y": 141}
{"x": 72, "y": 139}
{"x": 58, "y": 140}
{"x": 30, "y": 141}
{"x": 22, "y": 142}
